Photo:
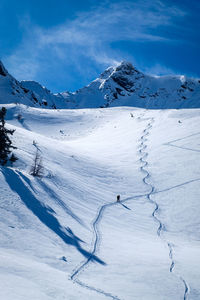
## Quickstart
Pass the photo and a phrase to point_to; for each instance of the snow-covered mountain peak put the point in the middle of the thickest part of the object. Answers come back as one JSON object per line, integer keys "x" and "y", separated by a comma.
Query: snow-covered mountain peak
{"x": 30, "y": 93}
{"x": 126, "y": 67}
{"x": 12, "y": 91}
{"x": 121, "y": 80}
{"x": 125, "y": 85}
{"x": 122, "y": 85}
{"x": 106, "y": 73}
{"x": 33, "y": 83}
{"x": 45, "y": 96}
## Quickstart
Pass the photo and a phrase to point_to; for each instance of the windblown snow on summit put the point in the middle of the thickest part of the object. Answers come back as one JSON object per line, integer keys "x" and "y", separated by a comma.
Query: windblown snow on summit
{"x": 123, "y": 85}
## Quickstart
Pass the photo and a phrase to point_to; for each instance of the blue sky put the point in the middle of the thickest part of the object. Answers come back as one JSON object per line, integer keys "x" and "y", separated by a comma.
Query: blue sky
{"x": 66, "y": 44}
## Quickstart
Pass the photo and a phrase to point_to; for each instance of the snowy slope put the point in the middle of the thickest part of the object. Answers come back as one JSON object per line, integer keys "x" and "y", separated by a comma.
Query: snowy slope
{"x": 27, "y": 92}
{"x": 64, "y": 236}
{"x": 44, "y": 96}
{"x": 11, "y": 91}
{"x": 123, "y": 85}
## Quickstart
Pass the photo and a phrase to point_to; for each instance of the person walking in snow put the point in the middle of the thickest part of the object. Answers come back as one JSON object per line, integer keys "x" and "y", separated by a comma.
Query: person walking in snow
{"x": 118, "y": 198}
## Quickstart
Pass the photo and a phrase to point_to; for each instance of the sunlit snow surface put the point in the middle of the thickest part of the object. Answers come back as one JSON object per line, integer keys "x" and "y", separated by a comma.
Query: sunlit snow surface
{"x": 63, "y": 236}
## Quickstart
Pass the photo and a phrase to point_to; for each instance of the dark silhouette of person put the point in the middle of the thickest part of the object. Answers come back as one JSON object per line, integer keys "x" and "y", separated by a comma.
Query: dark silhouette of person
{"x": 118, "y": 198}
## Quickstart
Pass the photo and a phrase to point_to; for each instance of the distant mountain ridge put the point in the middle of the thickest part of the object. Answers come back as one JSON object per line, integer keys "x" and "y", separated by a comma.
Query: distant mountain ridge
{"x": 27, "y": 92}
{"x": 122, "y": 85}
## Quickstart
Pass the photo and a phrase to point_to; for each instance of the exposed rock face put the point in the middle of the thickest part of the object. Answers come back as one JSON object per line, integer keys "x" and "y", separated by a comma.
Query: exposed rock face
{"x": 3, "y": 71}
{"x": 122, "y": 81}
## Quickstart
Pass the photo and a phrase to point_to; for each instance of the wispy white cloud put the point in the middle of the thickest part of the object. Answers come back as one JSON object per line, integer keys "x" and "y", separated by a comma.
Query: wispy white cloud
{"x": 90, "y": 36}
{"x": 158, "y": 69}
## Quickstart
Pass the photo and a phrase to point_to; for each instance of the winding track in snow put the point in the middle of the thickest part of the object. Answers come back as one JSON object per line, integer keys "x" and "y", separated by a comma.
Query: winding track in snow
{"x": 143, "y": 160}
{"x": 93, "y": 252}
{"x": 96, "y": 222}
{"x": 95, "y": 245}
{"x": 96, "y": 242}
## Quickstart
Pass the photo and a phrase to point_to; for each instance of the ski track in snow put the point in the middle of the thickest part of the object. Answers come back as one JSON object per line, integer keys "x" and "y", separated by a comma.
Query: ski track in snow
{"x": 180, "y": 139}
{"x": 95, "y": 245}
{"x": 96, "y": 222}
{"x": 143, "y": 160}
{"x": 184, "y": 148}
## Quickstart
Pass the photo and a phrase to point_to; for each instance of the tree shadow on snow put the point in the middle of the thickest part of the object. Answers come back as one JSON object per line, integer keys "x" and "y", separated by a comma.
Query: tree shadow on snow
{"x": 44, "y": 214}
{"x": 64, "y": 206}
{"x": 52, "y": 195}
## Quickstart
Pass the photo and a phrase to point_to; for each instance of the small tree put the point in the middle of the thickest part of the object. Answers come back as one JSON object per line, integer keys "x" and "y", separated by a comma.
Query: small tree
{"x": 5, "y": 142}
{"x": 37, "y": 167}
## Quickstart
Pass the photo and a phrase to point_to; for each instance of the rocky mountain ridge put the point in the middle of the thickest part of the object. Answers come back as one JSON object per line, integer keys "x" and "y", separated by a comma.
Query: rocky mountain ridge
{"x": 122, "y": 85}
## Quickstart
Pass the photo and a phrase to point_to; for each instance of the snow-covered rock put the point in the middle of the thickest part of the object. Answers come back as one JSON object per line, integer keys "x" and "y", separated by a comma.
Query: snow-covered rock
{"x": 28, "y": 93}
{"x": 124, "y": 85}
{"x": 11, "y": 91}
{"x": 46, "y": 97}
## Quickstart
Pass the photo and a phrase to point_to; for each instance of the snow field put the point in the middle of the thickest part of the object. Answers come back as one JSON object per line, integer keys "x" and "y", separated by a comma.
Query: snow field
{"x": 68, "y": 222}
